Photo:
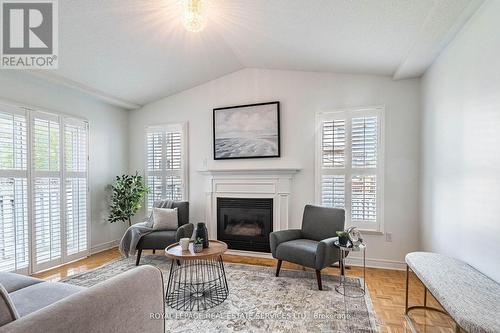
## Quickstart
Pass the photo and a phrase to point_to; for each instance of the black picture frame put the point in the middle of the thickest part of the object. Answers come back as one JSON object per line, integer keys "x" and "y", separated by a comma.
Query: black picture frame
{"x": 277, "y": 103}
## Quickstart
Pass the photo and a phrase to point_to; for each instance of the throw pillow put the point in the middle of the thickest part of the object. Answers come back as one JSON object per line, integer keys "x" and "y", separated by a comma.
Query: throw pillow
{"x": 8, "y": 312}
{"x": 165, "y": 219}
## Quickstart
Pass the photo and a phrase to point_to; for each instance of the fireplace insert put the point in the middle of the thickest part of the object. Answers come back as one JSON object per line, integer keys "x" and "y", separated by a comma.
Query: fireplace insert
{"x": 245, "y": 223}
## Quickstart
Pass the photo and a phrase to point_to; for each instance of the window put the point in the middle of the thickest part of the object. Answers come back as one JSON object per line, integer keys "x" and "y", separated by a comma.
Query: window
{"x": 350, "y": 165}
{"x": 166, "y": 163}
{"x": 43, "y": 189}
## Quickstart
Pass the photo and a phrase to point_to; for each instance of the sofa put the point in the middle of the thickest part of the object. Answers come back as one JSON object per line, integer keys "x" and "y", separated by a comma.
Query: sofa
{"x": 130, "y": 302}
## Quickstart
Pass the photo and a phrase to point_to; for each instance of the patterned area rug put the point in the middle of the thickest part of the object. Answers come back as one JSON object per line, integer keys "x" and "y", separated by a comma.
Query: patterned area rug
{"x": 260, "y": 302}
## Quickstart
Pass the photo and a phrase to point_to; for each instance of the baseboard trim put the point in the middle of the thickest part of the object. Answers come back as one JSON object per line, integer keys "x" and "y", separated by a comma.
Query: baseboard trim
{"x": 104, "y": 246}
{"x": 249, "y": 254}
{"x": 370, "y": 262}
{"x": 377, "y": 263}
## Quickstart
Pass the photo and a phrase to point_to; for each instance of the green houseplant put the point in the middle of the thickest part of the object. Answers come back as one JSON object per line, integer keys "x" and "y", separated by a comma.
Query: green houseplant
{"x": 343, "y": 237}
{"x": 127, "y": 196}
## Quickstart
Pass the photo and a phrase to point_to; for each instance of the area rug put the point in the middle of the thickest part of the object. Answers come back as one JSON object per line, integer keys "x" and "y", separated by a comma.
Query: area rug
{"x": 260, "y": 302}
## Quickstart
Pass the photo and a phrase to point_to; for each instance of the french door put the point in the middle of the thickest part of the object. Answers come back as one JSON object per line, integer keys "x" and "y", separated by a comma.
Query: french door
{"x": 44, "y": 202}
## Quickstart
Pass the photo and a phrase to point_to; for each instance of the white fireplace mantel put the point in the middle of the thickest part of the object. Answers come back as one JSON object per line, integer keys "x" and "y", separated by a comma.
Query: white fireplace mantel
{"x": 252, "y": 171}
{"x": 274, "y": 183}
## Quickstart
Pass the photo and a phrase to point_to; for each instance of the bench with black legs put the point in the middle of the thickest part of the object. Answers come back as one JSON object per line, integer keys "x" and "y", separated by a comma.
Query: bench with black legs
{"x": 468, "y": 296}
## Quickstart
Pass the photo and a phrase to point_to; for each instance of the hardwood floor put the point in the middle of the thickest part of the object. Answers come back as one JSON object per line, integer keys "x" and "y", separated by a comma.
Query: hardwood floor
{"x": 386, "y": 288}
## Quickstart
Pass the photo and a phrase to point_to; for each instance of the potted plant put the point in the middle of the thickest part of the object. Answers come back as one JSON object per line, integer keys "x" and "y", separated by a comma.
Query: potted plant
{"x": 198, "y": 245}
{"x": 127, "y": 197}
{"x": 343, "y": 237}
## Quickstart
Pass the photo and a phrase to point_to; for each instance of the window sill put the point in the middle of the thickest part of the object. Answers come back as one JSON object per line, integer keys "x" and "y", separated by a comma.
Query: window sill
{"x": 371, "y": 232}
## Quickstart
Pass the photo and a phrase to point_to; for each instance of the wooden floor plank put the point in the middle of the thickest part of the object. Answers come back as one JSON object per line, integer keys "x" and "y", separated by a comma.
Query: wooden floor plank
{"x": 386, "y": 288}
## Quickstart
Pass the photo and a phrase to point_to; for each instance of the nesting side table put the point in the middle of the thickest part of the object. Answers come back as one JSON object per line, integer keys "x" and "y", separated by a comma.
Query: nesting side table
{"x": 350, "y": 289}
{"x": 197, "y": 281}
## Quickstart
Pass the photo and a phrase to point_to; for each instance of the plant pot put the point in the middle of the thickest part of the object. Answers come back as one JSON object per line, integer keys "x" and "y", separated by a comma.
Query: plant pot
{"x": 202, "y": 232}
{"x": 343, "y": 240}
{"x": 198, "y": 248}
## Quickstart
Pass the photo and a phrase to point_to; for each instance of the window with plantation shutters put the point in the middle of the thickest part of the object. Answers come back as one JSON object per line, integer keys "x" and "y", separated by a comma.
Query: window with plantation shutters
{"x": 350, "y": 164}
{"x": 43, "y": 189}
{"x": 14, "y": 245}
{"x": 166, "y": 173}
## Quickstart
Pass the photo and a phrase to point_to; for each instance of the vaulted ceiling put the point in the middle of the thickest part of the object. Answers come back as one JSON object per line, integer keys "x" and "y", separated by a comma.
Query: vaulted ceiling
{"x": 132, "y": 52}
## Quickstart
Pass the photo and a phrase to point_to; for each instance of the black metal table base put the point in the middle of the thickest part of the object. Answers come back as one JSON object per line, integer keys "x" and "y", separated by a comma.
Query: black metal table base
{"x": 195, "y": 285}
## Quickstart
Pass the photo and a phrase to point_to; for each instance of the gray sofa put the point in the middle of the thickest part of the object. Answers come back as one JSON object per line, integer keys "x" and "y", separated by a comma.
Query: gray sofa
{"x": 124, "y": 303}
{"x": 159, "y": 240}
{"x": 312, "y": 245}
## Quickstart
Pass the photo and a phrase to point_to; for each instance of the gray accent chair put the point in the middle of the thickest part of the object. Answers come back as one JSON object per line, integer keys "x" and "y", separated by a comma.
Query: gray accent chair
{"x": 124, "y": 303}
{"x": 159, "y": 240}
{"x": 312, "y": 245}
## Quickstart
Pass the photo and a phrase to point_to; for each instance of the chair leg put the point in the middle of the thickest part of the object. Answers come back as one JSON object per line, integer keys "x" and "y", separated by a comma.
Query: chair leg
{"x": 154, "y": 251}
{"x": 318, "y": 277}
{"x": 278, "y": 267}
{"x": 139, "y": 252}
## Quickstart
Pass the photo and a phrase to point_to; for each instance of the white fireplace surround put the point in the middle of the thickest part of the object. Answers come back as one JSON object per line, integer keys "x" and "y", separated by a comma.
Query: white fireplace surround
{"x": 274, "y": 183}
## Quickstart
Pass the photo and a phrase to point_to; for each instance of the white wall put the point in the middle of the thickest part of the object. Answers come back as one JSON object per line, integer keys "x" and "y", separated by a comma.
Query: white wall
{"x": 460, "y": 194}
{"x": 302, "y": 94}
{"x": 108, "y": 139}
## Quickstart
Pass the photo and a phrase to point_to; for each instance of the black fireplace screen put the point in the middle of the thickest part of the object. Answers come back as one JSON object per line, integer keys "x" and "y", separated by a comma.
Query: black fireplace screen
{"x": 245, "y": 223}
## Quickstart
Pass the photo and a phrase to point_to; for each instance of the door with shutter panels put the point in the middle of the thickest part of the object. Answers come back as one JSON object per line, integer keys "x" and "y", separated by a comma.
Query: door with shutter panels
{"x": 43, "y": 189}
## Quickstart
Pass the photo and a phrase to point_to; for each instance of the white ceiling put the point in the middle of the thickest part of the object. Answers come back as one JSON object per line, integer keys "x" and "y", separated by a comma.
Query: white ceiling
{"x": 132, "y": 52}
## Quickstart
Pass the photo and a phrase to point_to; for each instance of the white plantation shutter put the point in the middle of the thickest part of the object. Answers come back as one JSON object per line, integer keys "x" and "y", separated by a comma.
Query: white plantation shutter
{"x": 47, "y": 212}
{"x": 76, "y": 158}
{"x": 333, "y": 191}
{"x": 14, "y": 237}
{"x": 76, "y": 215}
{"x": 13, "y": 224}
{"x": 333, "y": 143}
{"x": 364, "y": 142}
{"x": 173, "y": 188}
{"x": 13, "y": 141}
{"x": 364, "y": 198}
{"x": 166, "y": 163}
{"x": 46, "y": 143}
{"x": 155, "y": 185}
{"x": 350, "y": 165}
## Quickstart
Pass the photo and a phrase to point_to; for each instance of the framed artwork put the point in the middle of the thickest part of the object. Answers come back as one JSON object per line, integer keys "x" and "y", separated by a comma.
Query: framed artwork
{"x": 247, "y": 131}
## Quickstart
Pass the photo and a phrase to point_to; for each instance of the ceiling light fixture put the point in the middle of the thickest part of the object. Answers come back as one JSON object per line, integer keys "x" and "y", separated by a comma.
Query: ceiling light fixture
{"x": 194, "y": 19}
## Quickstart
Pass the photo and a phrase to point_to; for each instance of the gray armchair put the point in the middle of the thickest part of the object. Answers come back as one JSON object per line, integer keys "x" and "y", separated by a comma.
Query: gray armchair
{"x": 159, "y": 240}
{"x": 312, "y": 246}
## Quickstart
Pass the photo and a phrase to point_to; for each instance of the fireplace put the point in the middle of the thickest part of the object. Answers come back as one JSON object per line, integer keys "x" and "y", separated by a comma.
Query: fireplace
{"x": 245, "y": 223}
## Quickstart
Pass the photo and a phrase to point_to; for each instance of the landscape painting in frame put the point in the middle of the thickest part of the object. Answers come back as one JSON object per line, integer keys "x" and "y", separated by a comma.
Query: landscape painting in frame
{"x": 247, "y": 131}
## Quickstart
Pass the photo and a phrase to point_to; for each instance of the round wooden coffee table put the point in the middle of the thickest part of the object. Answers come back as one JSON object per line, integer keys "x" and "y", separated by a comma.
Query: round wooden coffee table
{"x": 197, "y": 281}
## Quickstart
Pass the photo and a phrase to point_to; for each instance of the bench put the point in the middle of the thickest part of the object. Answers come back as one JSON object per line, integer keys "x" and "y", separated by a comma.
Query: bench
{"x": 469, "y": 297}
